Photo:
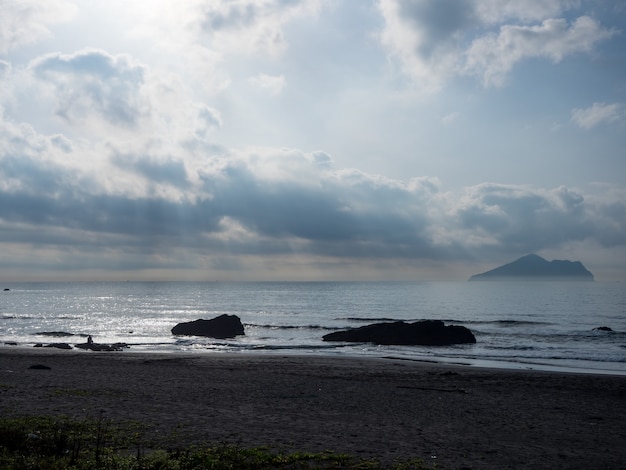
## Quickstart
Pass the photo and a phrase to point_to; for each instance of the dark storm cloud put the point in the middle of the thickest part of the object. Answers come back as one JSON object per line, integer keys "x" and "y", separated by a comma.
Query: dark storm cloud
{"x": 93, "y": 81}
{"x": 107, "y": 214}
{"x": 306, "y": 209}
{"x": 35, "y": 176}
{"x": 332, "y": 212}
{"x": 169, "y": 171}
{"x": 335, "y": 217}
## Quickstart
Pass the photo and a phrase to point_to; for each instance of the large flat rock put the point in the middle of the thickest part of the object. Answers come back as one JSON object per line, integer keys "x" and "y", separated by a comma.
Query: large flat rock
{"x": 427, "y": 332}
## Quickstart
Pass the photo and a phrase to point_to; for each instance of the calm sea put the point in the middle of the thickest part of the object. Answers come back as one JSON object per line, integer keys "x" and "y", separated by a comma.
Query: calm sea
{"x": 540, "y": 325}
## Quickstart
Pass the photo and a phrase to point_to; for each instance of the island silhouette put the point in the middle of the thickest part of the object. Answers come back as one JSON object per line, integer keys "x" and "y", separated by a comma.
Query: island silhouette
{"x": 534, "y": 267}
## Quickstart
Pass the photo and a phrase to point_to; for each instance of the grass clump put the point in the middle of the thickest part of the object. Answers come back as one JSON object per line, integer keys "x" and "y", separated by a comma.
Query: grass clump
{"x": 61, "y": 443}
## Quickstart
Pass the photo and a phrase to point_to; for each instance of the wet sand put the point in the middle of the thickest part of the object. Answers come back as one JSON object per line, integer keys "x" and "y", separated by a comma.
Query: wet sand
{"x": 454, "y": 416}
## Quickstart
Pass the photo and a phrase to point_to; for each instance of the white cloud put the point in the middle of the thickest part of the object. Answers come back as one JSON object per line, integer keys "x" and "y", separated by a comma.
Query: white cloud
{"x": 208, "y": 42}
{"x": 423, "y": 37}
{"x": 249, "y": 26}
{"x": 274, "y": 84}
{"x": 93, "y": 82}
{"x": 493, "y": 56}
{"x": 598, "y": 113}
{"x": 5, "y": 71}
{"x": 113, "y": 101}
{"x": 26, "y": 21}
{"x": 436, "y": 40}
{"x": 497, "y": 11}
{"x": 522, "y": 219}
{"x": 450, "y": 118}
{"x": 281, "y": 199}
{"x": 207, "y": 119}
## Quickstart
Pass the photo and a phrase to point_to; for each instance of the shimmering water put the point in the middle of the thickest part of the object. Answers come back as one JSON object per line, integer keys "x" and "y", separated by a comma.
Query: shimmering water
{"x": 547, "y": 325}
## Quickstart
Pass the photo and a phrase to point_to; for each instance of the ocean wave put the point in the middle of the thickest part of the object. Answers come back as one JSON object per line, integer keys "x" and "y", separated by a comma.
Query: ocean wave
{"x": 290, "y": 327}
{"x": 506, "y": 322}
{"x": 57, "y": 334}
{"x": 586, "y": 358}
{"x": 393, "y": 320}
{"x": 455, "y": 321}
{"x": 510, "y": 348}
{"x": 307, "y": 347}
{"x": 371, "y": 319}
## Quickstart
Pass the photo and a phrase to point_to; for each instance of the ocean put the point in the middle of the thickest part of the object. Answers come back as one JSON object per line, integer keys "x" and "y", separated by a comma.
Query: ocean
{"x": 534, "y": 325}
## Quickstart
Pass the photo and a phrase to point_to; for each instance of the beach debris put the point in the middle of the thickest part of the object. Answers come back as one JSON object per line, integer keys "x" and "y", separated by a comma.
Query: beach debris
{"x": 223, "y": 326}
{"x": 425, "y": 332}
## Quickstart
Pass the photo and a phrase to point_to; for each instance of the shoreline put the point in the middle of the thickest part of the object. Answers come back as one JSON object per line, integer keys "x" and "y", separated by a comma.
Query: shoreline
{"x": 384, "y": 408}
{"x": 505, "y": 365}
{"x": 515, "y": 366}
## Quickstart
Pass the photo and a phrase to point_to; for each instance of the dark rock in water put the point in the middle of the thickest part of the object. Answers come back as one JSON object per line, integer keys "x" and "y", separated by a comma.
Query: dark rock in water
{"x": 58, "y": 346}
{"x": 603, "y": 328}
{"x": 10, "y": 343}
{"x": 102, "y": 346}
{"x": 533, "y": 267}
{"x": 6, "y": 289}
{"x": 224, "y": 326}
{"x": 427, "y": 332}
{"x": 40, "y": 367}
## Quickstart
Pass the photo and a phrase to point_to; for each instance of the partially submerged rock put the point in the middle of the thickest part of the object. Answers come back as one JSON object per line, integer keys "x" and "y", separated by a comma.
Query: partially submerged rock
{"x": 224, "y": 326}
{"x": 55, "y": 345}
{"x": 102, "y": 346}
{"x": 427, "y": 332}
{"x": 603, "y": 328}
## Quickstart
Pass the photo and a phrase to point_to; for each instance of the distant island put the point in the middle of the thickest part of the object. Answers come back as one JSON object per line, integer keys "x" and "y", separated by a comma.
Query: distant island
{"x": 534, "y": 267}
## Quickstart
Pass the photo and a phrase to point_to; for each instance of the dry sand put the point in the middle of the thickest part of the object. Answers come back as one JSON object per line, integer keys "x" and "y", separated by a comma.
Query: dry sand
{"x": 454, "y": 416}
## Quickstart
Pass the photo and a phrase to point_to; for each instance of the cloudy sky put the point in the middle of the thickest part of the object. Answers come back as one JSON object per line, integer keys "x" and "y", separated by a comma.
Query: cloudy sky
{"x": 310, "y": 139}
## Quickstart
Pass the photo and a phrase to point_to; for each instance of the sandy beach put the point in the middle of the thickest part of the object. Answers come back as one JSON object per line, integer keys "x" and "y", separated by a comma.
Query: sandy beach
{"x": 452, "y": 416}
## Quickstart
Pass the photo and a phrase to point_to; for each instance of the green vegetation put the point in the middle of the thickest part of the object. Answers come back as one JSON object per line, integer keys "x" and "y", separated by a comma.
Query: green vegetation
{"x": 61, "y": 443}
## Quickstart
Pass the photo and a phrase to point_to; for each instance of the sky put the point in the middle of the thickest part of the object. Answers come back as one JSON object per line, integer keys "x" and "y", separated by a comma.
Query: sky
{"x": 310, "y": 139}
